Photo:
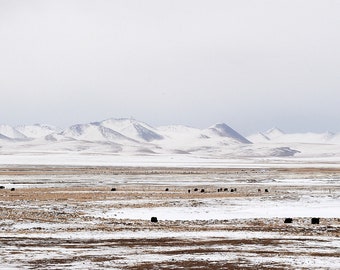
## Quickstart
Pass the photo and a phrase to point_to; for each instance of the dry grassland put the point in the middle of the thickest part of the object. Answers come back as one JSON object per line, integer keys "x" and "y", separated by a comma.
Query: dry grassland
{"x": 63, "y": 232}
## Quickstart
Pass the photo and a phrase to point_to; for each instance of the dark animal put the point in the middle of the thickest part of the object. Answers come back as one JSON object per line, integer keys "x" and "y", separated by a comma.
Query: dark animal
{"x": 202, "y": 190}
{"x": 315, "y": 220}
{"x": 2, "y": 187}
{"x": 288, "y": 220}
{"x": 196, "y": 189}
{"x": 166, "y": 189}
{"x": 188, "y": 190}
{"x": 225, "y": 189}
{"x": 113, "y": 189}
{"x": 232, "y": 190}
{"x": 12, "y": 189}
{"x": 259, "y": 190}
{"x": 154, "y": 219}
{"x": 266, "y": 190}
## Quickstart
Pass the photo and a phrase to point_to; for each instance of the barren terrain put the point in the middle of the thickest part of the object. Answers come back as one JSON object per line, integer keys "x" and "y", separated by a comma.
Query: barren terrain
{"x": 61, "y": 217}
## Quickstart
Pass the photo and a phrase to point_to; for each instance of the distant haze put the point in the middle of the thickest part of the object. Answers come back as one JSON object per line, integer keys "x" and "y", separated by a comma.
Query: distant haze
{"x": 250, "y": 64}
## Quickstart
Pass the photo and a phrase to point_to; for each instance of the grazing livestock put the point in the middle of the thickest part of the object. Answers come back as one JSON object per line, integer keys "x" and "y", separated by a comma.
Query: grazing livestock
{"x": 288, "y": 220}
{"x": 202, "y": 190}
{"x": 196, "y": 189}
{"x": 226, "y": 189}
{"x": 113, "y": 189}
{"x": 12, "y": 189}
{"x": 154, "y": 219}
{"x": 259, "y": 190}
{"x": 166, "y": 189}
{"x": 2, "y": 187}
{"x": 266, "y": 190}
{"x": 231, "y": 190}
{"x": 188, "y": 190}
{"x": 315, "y": 220}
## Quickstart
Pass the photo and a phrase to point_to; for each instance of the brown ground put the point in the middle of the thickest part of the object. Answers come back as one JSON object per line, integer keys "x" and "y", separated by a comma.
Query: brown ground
{"x": 66, "y": 208}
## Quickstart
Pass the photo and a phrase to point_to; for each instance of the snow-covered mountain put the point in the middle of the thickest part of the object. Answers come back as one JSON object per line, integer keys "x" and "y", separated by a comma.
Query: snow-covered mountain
{"x": 133, "y": 129}
{"x": 11, "y": 133}
{"x": 276, "y": 135}
{"x": 303, "y": 145}
{"x": 218, "y": 139}
{"x": 94, "y": 132}
{"x": 36, "y": 130}
{"x": 132, "y": 137}
{"x": 224, "y": 130}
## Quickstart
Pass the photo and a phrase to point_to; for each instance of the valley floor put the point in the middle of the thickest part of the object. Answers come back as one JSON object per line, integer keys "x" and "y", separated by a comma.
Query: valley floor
{"x": 63, "y": 217}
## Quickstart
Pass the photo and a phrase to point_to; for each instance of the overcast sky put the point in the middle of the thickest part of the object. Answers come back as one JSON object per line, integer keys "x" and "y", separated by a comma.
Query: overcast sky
{"x": 250, "y": 64}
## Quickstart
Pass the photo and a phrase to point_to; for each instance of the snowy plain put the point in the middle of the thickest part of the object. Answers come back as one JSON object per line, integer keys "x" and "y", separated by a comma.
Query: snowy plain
{"x": 325, "y": 207}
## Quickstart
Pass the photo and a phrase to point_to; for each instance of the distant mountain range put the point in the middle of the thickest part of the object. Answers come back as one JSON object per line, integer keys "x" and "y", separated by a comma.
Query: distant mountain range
{"x": 277, "y": 135}
{"x": 133, "y": 137}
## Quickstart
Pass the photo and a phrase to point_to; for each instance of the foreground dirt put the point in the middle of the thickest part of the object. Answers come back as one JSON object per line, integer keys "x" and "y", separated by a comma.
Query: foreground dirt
{"x": 52, "y": 227}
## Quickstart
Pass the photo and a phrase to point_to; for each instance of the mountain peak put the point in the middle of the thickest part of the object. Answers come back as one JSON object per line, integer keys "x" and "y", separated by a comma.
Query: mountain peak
{"x": 274, "y": 130}
{"x": 274, "y": 133}
{"x": 223, "y": 130}
{"x": 132, "y": 128}
{"x": 36, "y": 130}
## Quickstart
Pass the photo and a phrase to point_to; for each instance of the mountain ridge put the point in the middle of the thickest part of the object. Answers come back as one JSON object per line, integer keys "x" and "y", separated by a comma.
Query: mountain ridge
{"x": 132, "y": 137}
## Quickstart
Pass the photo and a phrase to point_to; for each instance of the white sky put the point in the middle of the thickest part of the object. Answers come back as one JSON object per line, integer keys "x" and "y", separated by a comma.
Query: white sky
{"x": 250, "y": 64}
